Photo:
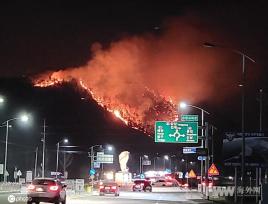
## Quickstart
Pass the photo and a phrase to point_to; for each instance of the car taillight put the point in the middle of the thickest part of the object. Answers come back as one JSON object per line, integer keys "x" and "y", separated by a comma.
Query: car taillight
{"x": 203, "y": 183}
{"x": 114, "y": 187}
{"x": 31, "y": 187}
{"x": 185, "y": 185}
{"x": 101, "y": 187}
{"x": 53, "y": 188}
{"x": 210, "y": 185}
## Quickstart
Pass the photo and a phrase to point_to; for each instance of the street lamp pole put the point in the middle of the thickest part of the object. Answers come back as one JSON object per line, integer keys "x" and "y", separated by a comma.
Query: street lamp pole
{"x": 243, "y": 90}
{"x": 261, "y": 110}
{"x": 58, "y": 148}
{"x": 24, "y": 118}
{"x": 44, "y": 147}
{"x": 57, "y": 163}
{"x": 5, "y": 165}
{"x": 184, "y": 105}
{"x": 35, "y": 163}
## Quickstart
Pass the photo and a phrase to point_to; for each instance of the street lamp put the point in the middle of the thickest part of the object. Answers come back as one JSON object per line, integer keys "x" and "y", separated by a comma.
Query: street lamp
{"x": 23, "y": 118}
{"x": 244, "y": 57}
{"x": 58, "y": 147}
{"x": 2, "y": 100}
{"x": 109, "y": 148}
{"x": 141, "y": 162}
{"x": 184, "y": 105}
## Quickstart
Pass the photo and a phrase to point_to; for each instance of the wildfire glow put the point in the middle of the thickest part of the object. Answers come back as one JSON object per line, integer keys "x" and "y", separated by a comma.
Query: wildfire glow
{"x": 125, "y": 113}
{"x": 141, "y": 79}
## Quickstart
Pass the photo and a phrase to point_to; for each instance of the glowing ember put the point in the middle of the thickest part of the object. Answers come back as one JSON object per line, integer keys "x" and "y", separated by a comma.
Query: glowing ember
{"x": 118, "y": 115}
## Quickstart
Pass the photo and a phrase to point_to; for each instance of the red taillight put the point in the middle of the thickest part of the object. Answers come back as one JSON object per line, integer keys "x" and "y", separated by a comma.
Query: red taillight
{"x": 203, "y": 183}
{"x": 114, "y": 187}
{"x": 53, "y": 188}
{"x": 186, "y": 185}
{"x": 31, "y": 187}
{"x": 101, "y": 187}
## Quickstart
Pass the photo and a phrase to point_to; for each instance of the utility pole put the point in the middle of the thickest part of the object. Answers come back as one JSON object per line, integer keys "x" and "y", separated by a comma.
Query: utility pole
{"x": 243, "y": 125}
{"x": 44, "y": 147}
{"x": 207, "y": 147}
{"x": 64, "y": 164}
{"x": 57, "y": 161}
{"x": 35, "y": 164}
{"x": 261, "y": 110}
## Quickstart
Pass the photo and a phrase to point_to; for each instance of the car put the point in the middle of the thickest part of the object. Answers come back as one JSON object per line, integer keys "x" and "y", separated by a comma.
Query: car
{"x": 168, "y": 183}
{"x": 109, "y": 188}
{"x": 46, "y": 190}
{"x": 142, "y": 185}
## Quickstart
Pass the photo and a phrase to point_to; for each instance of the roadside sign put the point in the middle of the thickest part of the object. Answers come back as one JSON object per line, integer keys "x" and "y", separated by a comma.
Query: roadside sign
{"x": 15, "y": 175}
{"x": 176, "y": 132}
{"x": 96, "y": 165}
{"x": 92, "y": 172}
{"x": 22, "y": 180}
{"x": 202, "y": 151}
{"x": 105, "y": 158}
{"x": 189, "y": 150}
{"x": 146, "y": 162}
{"x": 200, "y": 158}
{"x": 189, "y": 118}
{"x": 1, "y": 168}
{"x": 79, "y": 185}
{"x": 19, "y": 173}
{"x": 213, "y": 171}
{"x": 192, "y": 174}
{"x": 29, "y": 176}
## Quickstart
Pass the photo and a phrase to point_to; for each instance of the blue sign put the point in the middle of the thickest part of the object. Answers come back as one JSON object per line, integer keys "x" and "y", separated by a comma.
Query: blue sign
{"x": 201, "y": 158}
{"x": 92, "y": 172}
{"x": 189, "y": 150}
{"x": 168, "y": 171}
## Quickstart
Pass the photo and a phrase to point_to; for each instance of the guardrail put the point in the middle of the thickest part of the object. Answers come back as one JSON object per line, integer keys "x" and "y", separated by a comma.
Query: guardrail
{"x": 9, "y": 187}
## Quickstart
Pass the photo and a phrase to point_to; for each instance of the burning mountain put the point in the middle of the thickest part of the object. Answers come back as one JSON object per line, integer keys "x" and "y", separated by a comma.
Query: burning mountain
{"x": 141, "y": 79}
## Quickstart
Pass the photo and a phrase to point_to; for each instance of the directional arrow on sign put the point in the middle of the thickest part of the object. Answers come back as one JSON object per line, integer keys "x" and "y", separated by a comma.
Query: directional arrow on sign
{"x": 19, "y": 173}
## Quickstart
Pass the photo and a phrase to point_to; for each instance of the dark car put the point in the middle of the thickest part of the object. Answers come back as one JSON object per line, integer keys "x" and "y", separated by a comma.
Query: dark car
{"x": 142, "y": 185}
{"x": 109, "y": 188}
{"x": 46, "y": 190}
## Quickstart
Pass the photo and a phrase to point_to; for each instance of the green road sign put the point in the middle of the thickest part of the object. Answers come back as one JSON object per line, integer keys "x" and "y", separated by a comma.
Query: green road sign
{"x": 176, "y": 132}
{"x": 189, "y": 118}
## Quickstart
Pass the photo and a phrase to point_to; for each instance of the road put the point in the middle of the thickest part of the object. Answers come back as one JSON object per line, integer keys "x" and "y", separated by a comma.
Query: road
{"x": 124, "y": 198}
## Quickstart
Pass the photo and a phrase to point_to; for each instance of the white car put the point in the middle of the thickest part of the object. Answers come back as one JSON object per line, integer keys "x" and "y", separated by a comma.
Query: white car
{"x": 160, "y": 183}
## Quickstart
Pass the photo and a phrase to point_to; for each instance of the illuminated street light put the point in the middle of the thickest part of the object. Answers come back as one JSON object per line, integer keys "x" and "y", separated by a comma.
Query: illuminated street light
{"x": 58, "y": 147}
{"x": 23, "y": 118}
{"x": 2, "y": 100}
{"x": 184, "y": 105}
{"x": 166, "y": 157}
{"x": 110, "y": 148}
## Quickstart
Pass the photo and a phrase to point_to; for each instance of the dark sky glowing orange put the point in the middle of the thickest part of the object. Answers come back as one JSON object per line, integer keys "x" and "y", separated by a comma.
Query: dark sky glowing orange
{"x": 142, "y": 78}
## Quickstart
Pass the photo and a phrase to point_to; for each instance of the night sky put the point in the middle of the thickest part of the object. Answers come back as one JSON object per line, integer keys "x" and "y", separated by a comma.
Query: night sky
{"x": 35, "y": 38}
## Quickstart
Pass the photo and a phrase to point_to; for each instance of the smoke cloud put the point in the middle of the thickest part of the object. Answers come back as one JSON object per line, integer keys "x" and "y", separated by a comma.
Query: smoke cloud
{"x": 132, "y": 71}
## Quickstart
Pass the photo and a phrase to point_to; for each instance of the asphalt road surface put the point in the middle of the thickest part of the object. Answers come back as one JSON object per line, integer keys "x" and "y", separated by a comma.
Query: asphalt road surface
{"x": 124, "y": 198}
